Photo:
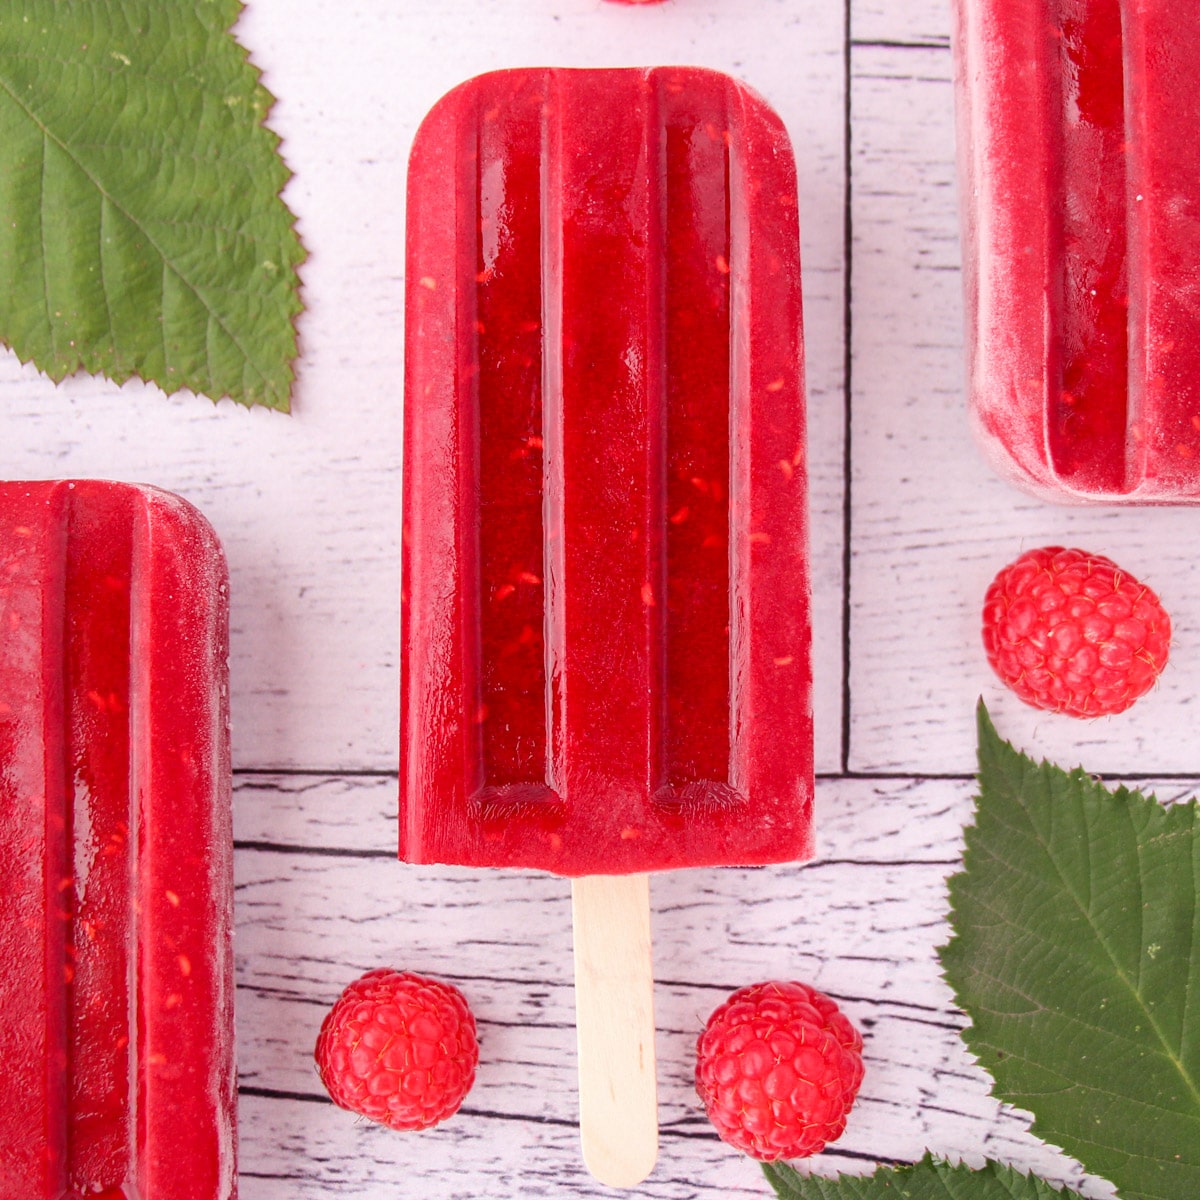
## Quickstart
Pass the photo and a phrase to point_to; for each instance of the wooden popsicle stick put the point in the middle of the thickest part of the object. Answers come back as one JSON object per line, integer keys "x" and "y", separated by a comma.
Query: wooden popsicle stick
{"x": 614, "y": 1021}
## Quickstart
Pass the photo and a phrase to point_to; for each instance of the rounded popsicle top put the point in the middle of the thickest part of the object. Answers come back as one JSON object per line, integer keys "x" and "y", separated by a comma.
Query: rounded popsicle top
{"x": 496, "y": 97}
{"x": 155, "y": 502}
{"x": 167, "y": 529}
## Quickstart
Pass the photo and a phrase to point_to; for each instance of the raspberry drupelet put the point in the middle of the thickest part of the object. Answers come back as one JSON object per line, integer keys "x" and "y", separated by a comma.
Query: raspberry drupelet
{"x": 778, "y": 1067}
{"x": 1071, "y": 632}
{"x": 398, "y": 1048}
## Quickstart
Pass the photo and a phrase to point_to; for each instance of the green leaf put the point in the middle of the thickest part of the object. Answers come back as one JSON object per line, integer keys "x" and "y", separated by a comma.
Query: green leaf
{"x": 141, "y": 230}
{"x": 930, "y": 1179}
{"x": 1076, "y": 931}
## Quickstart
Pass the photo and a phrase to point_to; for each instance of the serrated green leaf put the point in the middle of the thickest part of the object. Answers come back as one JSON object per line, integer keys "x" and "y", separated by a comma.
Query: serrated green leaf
{"x": 1075, "y": 955}
{"x": 930, "y": 1179}
{"x": 141, "y": 230}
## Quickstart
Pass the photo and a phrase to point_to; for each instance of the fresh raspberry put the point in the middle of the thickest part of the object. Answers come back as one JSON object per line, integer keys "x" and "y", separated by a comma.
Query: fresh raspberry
{"x": 1073, "y": 633}
{"x": 778, "y": 1067}
{"x": 398, "y": 1048}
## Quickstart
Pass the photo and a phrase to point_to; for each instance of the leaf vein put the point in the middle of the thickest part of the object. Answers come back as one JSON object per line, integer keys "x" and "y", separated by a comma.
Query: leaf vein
{"x": 42, "y": 238}
{"x": 1098, "y": 933}
{"x": 48, "y": 137}
{"x": 108, "y": 311}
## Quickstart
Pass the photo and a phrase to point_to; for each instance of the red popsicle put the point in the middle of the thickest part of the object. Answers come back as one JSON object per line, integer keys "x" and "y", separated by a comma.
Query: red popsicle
{"x": 1080, "y": 182}
{"x": 605, "y": 628}
{"x": 606, "y": 633}
{"x": 116, "y": 983}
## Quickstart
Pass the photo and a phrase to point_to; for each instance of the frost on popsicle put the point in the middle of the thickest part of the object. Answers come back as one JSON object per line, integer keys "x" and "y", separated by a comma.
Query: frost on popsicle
{"x": 116, "y": 983}
{"x": 1081, "y": 203}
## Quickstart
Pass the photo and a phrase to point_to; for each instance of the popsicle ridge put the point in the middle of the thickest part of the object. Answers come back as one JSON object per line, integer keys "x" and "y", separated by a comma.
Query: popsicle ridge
{"x": 607, "y": 519}
{"x": 115, "y": 598}
{"x": 1164, "y": 205}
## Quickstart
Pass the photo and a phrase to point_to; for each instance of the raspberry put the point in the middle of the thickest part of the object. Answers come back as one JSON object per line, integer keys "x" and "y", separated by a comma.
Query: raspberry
{"x": 1073, "y": 633}
{"x": 398, "y": 1048}
{"x": 778, "y": 1067}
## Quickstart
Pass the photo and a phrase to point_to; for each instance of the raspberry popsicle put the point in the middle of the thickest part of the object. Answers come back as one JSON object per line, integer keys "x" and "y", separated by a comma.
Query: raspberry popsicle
{"x": 116, "y": 983}
{"x": 605, "y": 621}
{"x": 605, "y": 626}
{"x": 1080, "y": 172}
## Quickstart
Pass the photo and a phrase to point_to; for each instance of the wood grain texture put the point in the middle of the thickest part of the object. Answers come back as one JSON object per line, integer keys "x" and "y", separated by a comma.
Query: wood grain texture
{"x": 914, "y": 23}
{"x": 861, "y": 922}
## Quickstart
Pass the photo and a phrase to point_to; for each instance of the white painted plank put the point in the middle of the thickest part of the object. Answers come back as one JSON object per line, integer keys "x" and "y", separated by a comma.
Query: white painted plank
{"x": 915, "y": 22}
{"x": 308, "y": 506}
{"x": 861, "y": 922}
{"x": 306, "y": 1151}
{"x": 931, "y": 523}
{"x": 859, "y": 819}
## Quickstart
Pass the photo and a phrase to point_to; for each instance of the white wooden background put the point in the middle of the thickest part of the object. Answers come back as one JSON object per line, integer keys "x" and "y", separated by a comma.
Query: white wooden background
{"x": 906, "y": 536}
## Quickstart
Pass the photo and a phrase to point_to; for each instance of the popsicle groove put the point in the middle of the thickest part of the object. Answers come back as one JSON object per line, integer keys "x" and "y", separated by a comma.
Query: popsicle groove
{"x": 1089, "y": 415}
{"x": 550, "y": 204}
{"x": 697, "y": 141}
{"x": 105, "y": 1111}
{"x": 33, "y": 857}
{"x": 1164, "y": 225}
{"x": 505, "y": 236}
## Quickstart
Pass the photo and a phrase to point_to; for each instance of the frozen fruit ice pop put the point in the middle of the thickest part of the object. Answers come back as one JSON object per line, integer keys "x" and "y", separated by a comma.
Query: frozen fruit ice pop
{"x": 606, "y": 626}
{"x": 116, "y": 981}
{"x": 1080, "y": 186}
